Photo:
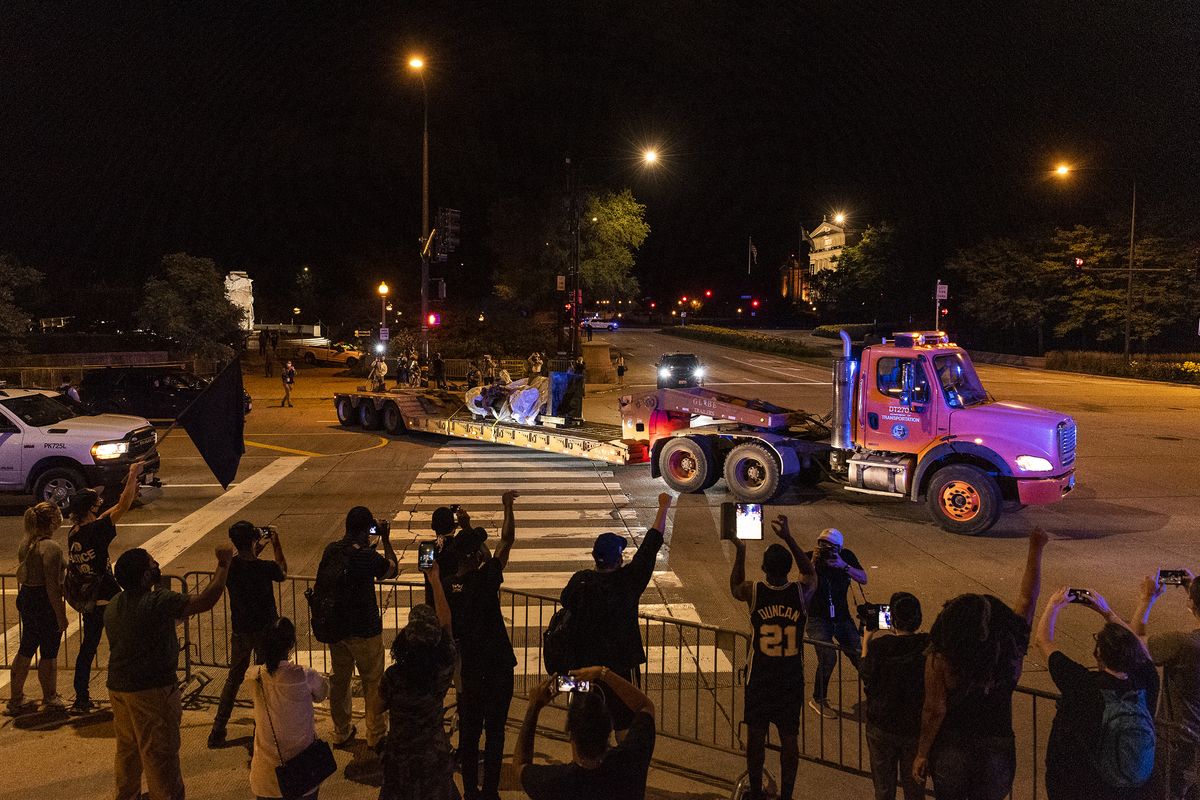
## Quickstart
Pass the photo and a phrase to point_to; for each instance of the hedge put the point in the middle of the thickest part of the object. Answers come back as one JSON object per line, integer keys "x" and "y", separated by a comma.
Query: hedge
{"x": 1179, "y": 367}
{"x": 747, "y": 340}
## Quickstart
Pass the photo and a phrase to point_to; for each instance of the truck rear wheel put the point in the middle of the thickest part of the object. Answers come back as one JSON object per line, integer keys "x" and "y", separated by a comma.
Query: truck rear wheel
{"x": 393, "y": 420}
{"x": 964, "y": 499}
{"x": 368, "y": 415}
{"x": 687, "y": 464}
{"x": 752, "y": 473}
{"x": 58, "y": 485}
{"x": 346, "y": 414}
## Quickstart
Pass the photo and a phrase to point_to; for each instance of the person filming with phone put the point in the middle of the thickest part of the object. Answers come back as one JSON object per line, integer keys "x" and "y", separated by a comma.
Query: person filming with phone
{"x": 252, "y": 606}
{"x": 775, "y": 684}
{"x": 829, "y": 616}
{"x": 598, "y": 771}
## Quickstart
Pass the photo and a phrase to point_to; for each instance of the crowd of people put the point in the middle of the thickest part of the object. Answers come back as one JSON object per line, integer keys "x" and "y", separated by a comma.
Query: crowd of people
{"x": 939, "y": 704}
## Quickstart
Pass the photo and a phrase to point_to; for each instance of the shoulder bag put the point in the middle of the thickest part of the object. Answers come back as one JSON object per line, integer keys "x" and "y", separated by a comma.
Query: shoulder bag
{"x": 306, "y": 770}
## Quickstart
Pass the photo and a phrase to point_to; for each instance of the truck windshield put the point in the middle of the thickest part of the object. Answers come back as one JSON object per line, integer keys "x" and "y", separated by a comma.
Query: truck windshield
{"x": 37, "y": 410}
{"x": 960, "y": 385}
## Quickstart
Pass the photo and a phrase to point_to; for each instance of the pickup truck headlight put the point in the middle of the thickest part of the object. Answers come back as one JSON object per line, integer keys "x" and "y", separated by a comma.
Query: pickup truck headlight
{"x": 1034, "y": 464}
{"x": 102, "y": 451}
{"x": 663, "y": 372}
{"x": 698, "y": 372}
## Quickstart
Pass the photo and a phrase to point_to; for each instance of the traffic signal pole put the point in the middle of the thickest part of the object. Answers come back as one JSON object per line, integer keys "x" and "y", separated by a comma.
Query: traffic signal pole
{"x": 425, "y": 232}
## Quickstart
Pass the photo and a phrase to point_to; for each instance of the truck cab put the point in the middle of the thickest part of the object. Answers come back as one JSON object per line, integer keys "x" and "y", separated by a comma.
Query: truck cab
{"x": 924, "y": 427}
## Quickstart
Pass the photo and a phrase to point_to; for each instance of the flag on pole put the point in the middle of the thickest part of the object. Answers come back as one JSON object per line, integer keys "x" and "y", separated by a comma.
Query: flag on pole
{"x": 751, "y": 254}
{"x": 216, "y": 420}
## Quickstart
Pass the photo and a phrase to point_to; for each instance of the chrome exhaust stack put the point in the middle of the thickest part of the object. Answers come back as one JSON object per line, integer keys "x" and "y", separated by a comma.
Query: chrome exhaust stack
{"x": 843, "y": 397}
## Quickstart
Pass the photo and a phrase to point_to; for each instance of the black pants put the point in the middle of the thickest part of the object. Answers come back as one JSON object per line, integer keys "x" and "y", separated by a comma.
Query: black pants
{"x": 891, "y": 754}
{"x": 483, "y": 706}
{"x": 93, "y": 630}
{"x": 241, "y": 647}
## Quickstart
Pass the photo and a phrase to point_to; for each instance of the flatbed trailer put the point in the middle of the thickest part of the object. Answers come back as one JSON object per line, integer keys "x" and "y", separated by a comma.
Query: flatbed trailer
{"x": 445, "y": 413}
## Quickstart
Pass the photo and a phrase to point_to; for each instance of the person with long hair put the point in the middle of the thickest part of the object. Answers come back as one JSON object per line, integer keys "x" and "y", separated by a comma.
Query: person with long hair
{"x": 284, "y": 693}
{"x": 90, "y": 583}
{"x": 416, "y": 753}
{"x": 977, "y": 646}
{"x": 42, "y": 610}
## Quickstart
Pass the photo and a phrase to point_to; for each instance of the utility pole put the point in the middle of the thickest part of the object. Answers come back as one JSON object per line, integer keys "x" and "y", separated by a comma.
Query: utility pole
{"x": 1129, "y": 279}
{"x": 573, "y": 192}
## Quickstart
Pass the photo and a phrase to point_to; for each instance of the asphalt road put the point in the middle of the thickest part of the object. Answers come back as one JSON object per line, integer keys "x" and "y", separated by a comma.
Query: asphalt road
{"x": 1133, "y": 510}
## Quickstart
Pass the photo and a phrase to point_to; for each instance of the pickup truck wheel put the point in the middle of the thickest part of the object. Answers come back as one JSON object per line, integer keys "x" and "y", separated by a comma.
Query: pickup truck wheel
{"x": 752, "y": 473}
{"x": 346, "y": 413}
{"x": 368, "y": 416}
{"x": 393, "y": 420}
{"x": 58, "y": 485}
{"x": 964, "y": 499}
{"x": 351, "y": 363}
{"x": 687, "y": 464}
{"x": 310, "y": 359}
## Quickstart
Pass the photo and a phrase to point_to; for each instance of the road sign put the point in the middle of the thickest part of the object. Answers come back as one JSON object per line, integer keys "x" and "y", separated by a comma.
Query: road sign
{"x": 449, "y": 221}
{"x": 383, "y": 334}
{"x": 562, "y": 283}
{"x": 362, "y": 333}
{"x": 943, "y": 291}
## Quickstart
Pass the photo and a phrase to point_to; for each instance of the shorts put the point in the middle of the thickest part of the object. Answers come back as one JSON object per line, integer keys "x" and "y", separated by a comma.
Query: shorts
{"x": 774, "y": 704}
{"x": 620, "y": 714}
{"x": 39, "y": 623}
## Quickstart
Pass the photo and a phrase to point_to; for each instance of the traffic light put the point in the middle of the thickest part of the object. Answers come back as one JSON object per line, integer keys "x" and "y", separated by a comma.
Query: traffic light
{"x": 653, "y": 304}
{"x": 684, "y": 298}
{"x": 1078, "y": 263}
{"x": 708, "y": 292}
{"x": 754, "y": 304}
{"x": 945, "y": 311}
{"x": 434, "y": 319}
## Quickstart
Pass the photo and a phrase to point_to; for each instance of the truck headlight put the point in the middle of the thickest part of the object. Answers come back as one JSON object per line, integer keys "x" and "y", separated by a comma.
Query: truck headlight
{"x": 663, "y": 372}
{"x": 698, "y": 372}
{"x": 102, "y": 451}
{"x": 1034, "y": 464}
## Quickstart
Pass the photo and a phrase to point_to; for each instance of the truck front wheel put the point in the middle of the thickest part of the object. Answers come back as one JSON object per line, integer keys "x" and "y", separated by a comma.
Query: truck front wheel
{"x": 687, "y": 464}
{"x": 964, "y": 499}
{"x": 58, "y": 486}
{"x": 752, "y": 473}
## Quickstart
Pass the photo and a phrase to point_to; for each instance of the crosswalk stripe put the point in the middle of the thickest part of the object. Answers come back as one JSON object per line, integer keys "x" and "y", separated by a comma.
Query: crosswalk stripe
{"x": 525, "y": 554}
{"x": 469, "y": 503}
{"x": 444, "y": 487}
{"x": 610, "y": 515}
{"x": 577, "y": 463}
{"x": 539, "y": 532}
{"x": 468, "y": 475}
{"x": 396, "y": 618}
{"x": 555, "y": 581}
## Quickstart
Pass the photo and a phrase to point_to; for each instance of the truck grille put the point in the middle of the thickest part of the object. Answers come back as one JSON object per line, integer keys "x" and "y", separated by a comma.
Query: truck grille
{"x": 1066, "y": 443}
{"x": 141, "y": 442}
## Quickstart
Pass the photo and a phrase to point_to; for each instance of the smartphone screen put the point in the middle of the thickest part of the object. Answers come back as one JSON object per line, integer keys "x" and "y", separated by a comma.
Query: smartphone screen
{"x": 885, "y": 617}
{"x": 568, "y": 683}
{"x": 748, "y": 520}
{"x": 425, "y": 555}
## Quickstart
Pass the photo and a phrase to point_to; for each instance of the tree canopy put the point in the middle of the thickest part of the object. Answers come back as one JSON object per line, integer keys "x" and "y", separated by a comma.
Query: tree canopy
{"x": 14, "y": 322}
{"x": 869, "y": 280}
{"x": 186, "y": 303}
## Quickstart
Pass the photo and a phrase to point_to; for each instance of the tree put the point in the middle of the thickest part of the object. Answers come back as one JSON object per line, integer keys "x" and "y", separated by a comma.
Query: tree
{"x": 869, "y": 280}
{"x": 187, "y": 304}
{"x": 1000, "y": 290}
{"x": 14, "y": 322}
{"x": 613, "y": 228}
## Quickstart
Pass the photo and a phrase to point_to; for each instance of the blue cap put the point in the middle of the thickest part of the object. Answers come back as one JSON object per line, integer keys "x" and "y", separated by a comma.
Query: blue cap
{"x": 608, "y": 548}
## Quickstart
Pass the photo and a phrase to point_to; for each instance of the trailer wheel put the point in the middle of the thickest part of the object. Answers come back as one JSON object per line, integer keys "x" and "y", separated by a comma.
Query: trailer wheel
{"x": 752, "y": 473}
{"x": 393, "y": 420}
{"x": 346, "y": 415}
{"x": 369, "y": 416}
{"x": 687, "y": 464}
{"x": 964, "y": 499}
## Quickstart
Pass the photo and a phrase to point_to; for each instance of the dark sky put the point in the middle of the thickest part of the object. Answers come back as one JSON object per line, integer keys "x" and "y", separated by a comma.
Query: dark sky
{"x": 270, "y": 134}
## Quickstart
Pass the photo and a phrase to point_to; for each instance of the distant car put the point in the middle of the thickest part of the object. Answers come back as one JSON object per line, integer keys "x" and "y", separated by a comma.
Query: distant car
{"x": 679, "y": 371}
{"x": 156, "y": 393}
{"x": 336, "y": 353}
{"x": 597, "y": 323}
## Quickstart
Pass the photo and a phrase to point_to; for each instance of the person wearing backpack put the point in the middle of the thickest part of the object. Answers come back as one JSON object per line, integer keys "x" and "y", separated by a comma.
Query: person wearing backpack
{"x": 90, "y": 582}
{"x": 893, "y": 677}
{"x": 1102, "y": 741}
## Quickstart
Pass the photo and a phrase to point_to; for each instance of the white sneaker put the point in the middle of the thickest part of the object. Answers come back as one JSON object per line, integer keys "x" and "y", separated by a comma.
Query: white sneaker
{"x": 54, "y": 703}
{"x": 822, "y": 708}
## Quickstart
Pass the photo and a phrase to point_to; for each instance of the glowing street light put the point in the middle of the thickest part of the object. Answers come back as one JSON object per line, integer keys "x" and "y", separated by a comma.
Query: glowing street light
{"x": 383, "y": 293}
{"x": 839, "y": 218}
{"x": 1062, "y": 170}
{"x": 416, "y": 62}
{"x": 650, "y": 156}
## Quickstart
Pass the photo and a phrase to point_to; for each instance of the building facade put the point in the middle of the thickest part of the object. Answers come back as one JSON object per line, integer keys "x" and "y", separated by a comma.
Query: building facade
{"x": 820, "y": 251}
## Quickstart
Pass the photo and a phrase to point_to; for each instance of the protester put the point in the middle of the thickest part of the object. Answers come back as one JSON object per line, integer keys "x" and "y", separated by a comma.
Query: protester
{"x": 41, "y": 609}
{"x": 893, "y": 678}
{"x": 444, "y": 521}
{"x": 416, "y": 757}
{"x": 90, "y": 583}
{"x": 620, "y": 369}
{"x": 977, "y": 646}
{"x": 352, "y": 566}
{"x": 488, "y": 370}
{"x": 142, "y": 684}
{"x": 251, "y": 587}
{"x": 437, "y": 371}
{"x": 288, "y": 377}
{"x": 579, "y": 368}
{"x": 604, "y": 605}
{"x": 485, "y": 652}
{"x": 474, "y": 376}
{"x": 67, "y": 389}
{"x": 534, "y": 364}
{"x": 284, "y": 693}
{"x": 829, "y": 616}
{"x": 1091, "y": 753}
{"x": 775, "y": 685}
{"x": 377, "y": 377}
{"x": 597, "y": 771}
{"x": 1179, "y": 718}
{"x": 587, "y": 329}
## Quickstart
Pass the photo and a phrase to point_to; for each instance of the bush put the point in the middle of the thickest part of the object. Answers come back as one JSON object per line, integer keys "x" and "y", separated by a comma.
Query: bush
{"x": 1179, "y": 367}
{"x": 747, "y": 340}
{"x": 858, "y": 330}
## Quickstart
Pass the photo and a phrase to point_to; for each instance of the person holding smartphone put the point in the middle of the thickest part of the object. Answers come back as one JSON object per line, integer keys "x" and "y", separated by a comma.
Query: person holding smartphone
{"x": 829, "y": 616}
{"x": 775, "y": 684}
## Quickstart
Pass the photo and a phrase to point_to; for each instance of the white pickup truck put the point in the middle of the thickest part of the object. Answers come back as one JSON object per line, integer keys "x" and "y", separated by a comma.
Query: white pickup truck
{"x": 51, "y": 448}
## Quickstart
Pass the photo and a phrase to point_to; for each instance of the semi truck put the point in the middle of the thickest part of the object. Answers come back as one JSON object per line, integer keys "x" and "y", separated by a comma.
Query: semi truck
{"x": 910, "y": 419}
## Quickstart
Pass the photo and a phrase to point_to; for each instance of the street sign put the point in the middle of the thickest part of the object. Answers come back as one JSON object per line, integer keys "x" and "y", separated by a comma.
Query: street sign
{"x": 449, "y": 221}
{"x": 383, "y": 334}
{"x": 362, "y": 333}
{"x": 562, "y": 283}
{"x": 943, "y": 291}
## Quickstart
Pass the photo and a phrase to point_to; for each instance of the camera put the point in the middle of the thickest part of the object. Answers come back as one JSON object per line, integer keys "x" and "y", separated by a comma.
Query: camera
{"x": 1174, "y": 577}
{"x": 742, "y": 521}
{"x": 426, "y": 553}
{"x": 265, "y": 533}
{"x": 380, "y": 528}
{"x": 569, "y": 683}
{"x": 1079, "y": 596}
{"x": 455, "y": 508}
{"x": 875, "y": 616}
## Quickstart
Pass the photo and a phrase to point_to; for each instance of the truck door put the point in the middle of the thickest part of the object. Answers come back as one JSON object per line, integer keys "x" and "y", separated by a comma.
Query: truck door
{"x": 897, "y": 412}
{"x": 11, "y": 452}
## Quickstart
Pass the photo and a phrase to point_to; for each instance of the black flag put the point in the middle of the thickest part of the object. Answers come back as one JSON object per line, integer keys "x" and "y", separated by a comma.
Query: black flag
{"x": 215, "y": 421}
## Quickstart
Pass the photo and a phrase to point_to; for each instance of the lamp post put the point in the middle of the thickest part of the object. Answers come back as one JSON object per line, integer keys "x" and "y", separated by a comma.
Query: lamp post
{"x": 417, "y": 64}
{"x": 295, "y": 313}
{"x": 383, "y": 293}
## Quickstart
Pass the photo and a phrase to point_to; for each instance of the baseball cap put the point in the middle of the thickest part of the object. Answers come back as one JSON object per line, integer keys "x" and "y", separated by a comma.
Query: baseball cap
{"x": 443, "y": 520}
{"x": 831, "y": 535}
{"x": 608, "y": 548}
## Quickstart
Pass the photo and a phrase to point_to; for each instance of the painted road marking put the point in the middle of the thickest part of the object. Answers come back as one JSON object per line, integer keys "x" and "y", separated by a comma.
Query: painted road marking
{"x": 546, "y": 499}
{"x": 610, "y": 515}
{"x": 396, "y": 618}
{"x": 451, "y": 475}
{"x": 446, "y": 487}
{"x": 381, "y": 441}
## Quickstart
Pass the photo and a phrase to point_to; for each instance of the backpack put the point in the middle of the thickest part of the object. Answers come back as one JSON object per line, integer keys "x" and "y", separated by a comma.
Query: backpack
{"x": 557, "y": 649}
{"x": 322, "y": 596}
{"x": 1125, "y": 755}
{"x": 80, "y": 590}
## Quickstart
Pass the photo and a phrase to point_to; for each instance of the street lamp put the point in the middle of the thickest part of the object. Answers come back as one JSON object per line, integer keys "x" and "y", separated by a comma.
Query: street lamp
{"x": 383, "y": 293}
{"x": 417, "y": 64}
{"x": 295, "y": 313}
{"x": 839, "y": 218}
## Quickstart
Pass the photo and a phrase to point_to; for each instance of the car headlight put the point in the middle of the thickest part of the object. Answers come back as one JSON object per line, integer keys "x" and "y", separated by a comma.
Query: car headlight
{"x": 663, "y": 372}
{"x": 105, "y": 450}
{"x": 698, "y": 372}
{"x": 1034, "y": 464}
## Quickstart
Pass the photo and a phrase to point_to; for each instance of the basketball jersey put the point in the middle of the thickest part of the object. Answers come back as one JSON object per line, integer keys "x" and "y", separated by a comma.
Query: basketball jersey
{"x": 777, "y": 617}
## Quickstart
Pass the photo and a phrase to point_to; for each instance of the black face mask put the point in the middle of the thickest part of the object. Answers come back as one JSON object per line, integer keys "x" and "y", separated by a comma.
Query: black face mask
{"x": 155, "y": 576}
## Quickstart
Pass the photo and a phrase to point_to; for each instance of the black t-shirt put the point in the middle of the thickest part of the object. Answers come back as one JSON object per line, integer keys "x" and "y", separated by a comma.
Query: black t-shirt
{"x": 479, "y": 627}
{"x": 357, "y": 607}
{"x": 87, "y": 550}
{"x": 1075, "y": 734}
{"x": 978, "y": 708}
{"x": 833, "y": 587}
{"x": 251, "y": 595}
{"x": 620, "y": 776}
{"x": 893, "y": 676}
